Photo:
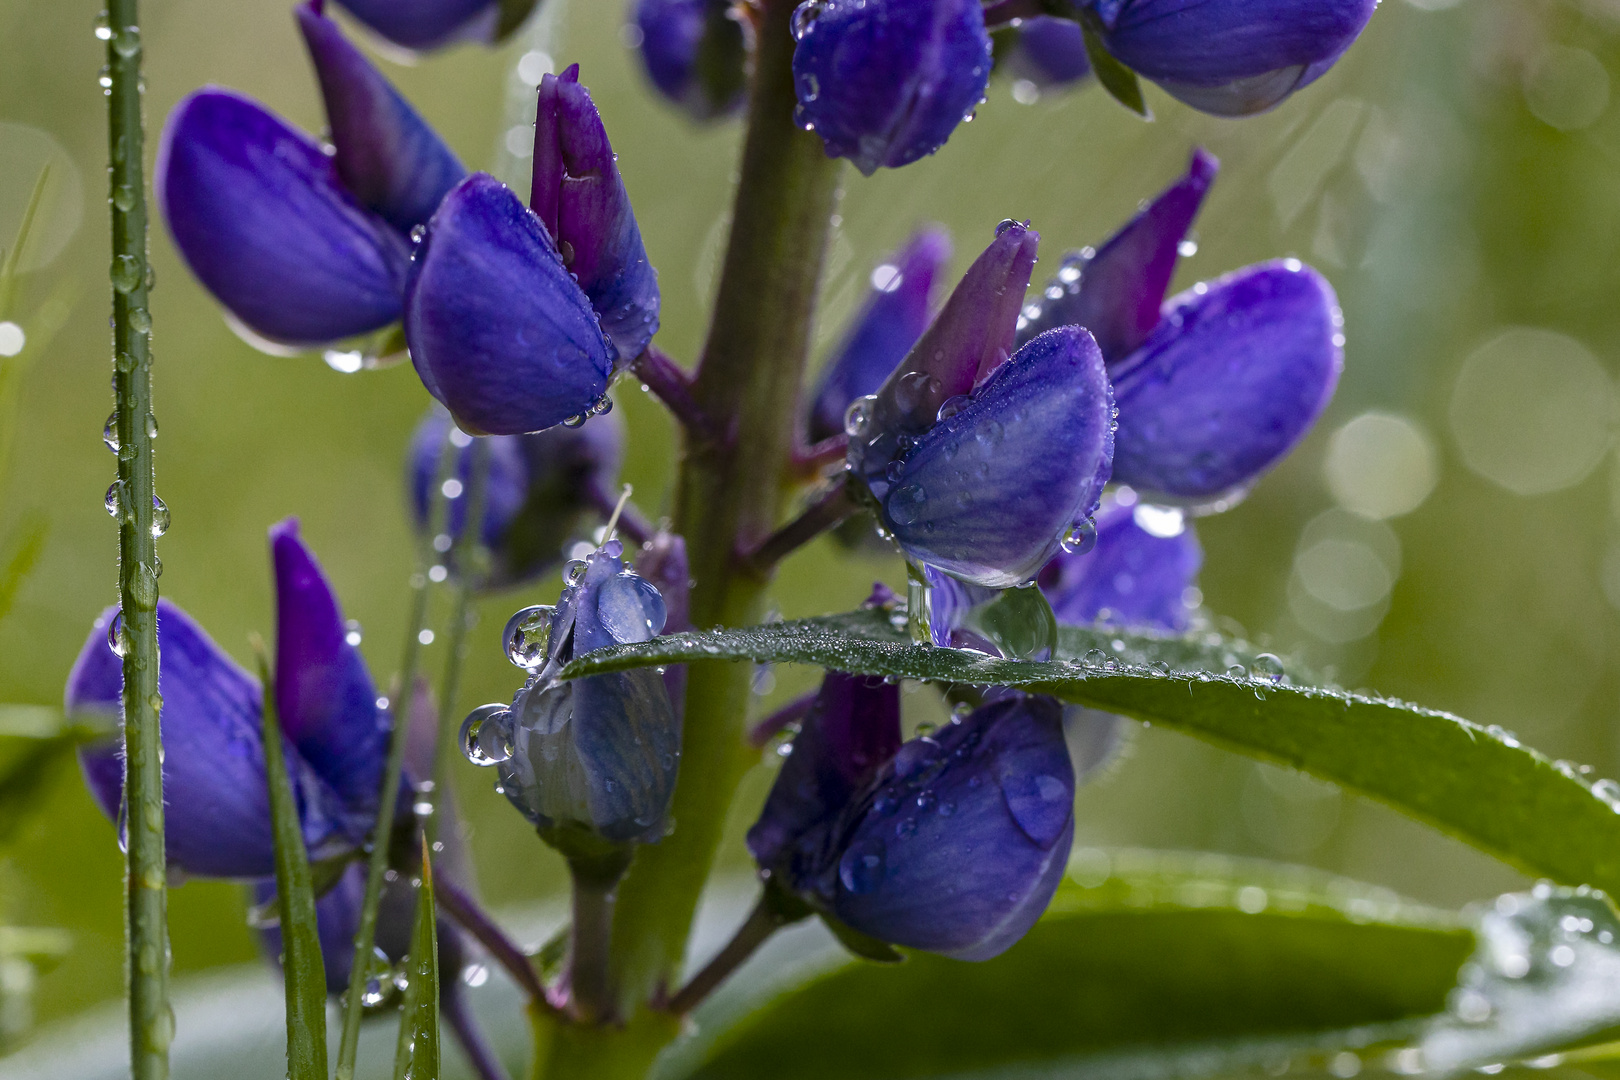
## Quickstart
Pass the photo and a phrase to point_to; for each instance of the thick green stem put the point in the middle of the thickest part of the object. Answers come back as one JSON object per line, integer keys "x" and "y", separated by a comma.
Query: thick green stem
{"x": 382, "y": 832}
{"x": 731, "y": 490}
{"x": 151, "y": 1024}
{"x": 590, "y": 937}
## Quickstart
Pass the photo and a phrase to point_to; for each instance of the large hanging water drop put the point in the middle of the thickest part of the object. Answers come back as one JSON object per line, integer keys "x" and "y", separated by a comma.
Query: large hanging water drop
{"x": 528, "y": 635}
{"x": 486, "y": 735}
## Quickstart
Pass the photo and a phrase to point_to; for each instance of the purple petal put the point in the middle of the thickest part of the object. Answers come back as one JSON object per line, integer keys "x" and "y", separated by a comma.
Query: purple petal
{"x": 663, "y": 562}
{"x": 428, "y": 24}
{"x": 1232, "y": 378}
{"x": 694, "y": 53}
{"x": 506, "y": 480}
{"x": 499, "y": 331}
{"x": 885, "y": 83}
{"x": 1118, "y": 291}
{"x": 1050, "y": 52}
{"x": 1267, "y": 48}
{"x": 851, "y": 732}
{"x": 327, "y": 701}
{"x": 267, "y": 226}
{"x": 217, "y": 810}
{"x": 894, "y": 317}
{"x": 1132, "y": 577}
{"x": 988, "y": 494}
{"x": 967, "y": 836}
{"x": 579, "y": 197}
{"x": 386, "y": 153}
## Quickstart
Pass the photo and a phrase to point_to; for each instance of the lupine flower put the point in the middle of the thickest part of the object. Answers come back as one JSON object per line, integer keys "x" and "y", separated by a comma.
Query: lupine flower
{"x": 1049, "y": 52}
{"x": 431, "y": 24}
{"x": 952, "y": 843}
{"x": 218, "y": 810}
{"x": 1214, "y": 386}
{"x": 594, "y": 756}
{"x": 541, "y": 489}
{"x": 303, "y": 247}
{"x": 1133, "y": 576}
{"x": 894, "y": 316}
{"x": 885, "y": 82}
{"x": 694, "y": 53}
{"x": 517, "y": 317}
{"x": 1229, "y": 57}
{"x": 663, "y": 562}
{"x": 978, "y": 464}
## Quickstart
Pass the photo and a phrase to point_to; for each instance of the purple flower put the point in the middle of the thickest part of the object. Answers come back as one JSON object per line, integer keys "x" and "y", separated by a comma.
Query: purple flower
{"x": 694, "y": 53}
{"x": 499, "y": 330}
{"x": 218, "y": 811}
{"x": 1133, "y": 576}
{"x": 952, "y": 843}
{"x": 541, "y": 489}
{"x": 978, "y": 464}
{"x": 885, "y": 82}
{"x": 1229, "y": 57}
{"x": 517, "y": 318}
{"x": 1214, "y": 386}
{"x": 432, "y": 24}
{"x": 1049, "y": 52}
{"x": 895, "y": 315}
{"x": 300, "y": 246}
{"x": 595, "y": 755}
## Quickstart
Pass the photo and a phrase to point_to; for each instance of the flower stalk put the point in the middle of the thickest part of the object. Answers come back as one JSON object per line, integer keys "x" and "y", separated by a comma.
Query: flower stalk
{"x": 151, "y": 1023}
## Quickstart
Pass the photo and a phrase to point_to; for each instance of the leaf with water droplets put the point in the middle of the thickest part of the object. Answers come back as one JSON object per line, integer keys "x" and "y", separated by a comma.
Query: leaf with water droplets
{"x": 416, "y": 1054}
{"x": 1477, "y": 784}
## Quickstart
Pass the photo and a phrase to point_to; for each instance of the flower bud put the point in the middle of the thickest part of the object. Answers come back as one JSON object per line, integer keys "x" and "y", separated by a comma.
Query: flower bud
{"x": 885, "y": 82}
{"x": 595, "y": 755}
{"x": 433, "y": 24}
{"x": 895, "y": 315}
{"x": 579, "y": 197}
{"x": 385, "y": 152}
{"x": 1267, "y": 48}
{"x": 694, "y": 53}
{"x": 541, "y": 491}
{"x": 499, "y": 331}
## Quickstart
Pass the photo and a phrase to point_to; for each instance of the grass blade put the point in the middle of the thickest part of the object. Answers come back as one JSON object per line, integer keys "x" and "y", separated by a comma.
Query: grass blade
{"x": 417, "y": 1054}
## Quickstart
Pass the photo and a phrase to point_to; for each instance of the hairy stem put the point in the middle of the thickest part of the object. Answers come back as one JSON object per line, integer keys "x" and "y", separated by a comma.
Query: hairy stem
{"x": 762, "y": 922}
{"x": 731, "y": 492}
{"x": 151, "y": 1025}
{"x": 590, "y": 994}
{"x": 383, "y": 831}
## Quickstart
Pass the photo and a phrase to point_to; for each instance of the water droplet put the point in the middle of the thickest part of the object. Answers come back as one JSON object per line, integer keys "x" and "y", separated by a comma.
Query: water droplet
{"x": 1237, "y": 671}
{"x": 1004, "y": 224}
{"x": 126, "y": 273}
{"x": 1608, "y": 791}
{"x": 127, "y": 42}
{"x": 577, "y": 420}
{"x": 418, "y": 233}
{"x": 573, "y": 572}
{"x": 109, "y": 435}
{"x": 804, "y": 17}
{"x": 952, "y": 406}
{"x": 114, "y": 501}
{"x": 486, "y": 735}
{"x": 123, "y": 197}
{"x": 1081, "y": 537}
{"x": 151, "y": 426}
{"x": 1096, "y": 658}
{"x": 1267, "y": 667}
{"x": 160, "y": 517}
{"x": 103, "y": 27}
{"x": 915, "y": 391}
{"x": 528, "y": 635}
{"x": 858, "y": 417}
{"x": 906, "y": 504}
{"x": 144, "y": 587}
{"x": 603, "y": 406}
{"x": 861, "y": 869}
{"x": 117, "y": 636}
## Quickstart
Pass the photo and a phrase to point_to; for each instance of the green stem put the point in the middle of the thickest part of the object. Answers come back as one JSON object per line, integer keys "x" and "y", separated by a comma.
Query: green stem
{"x": 762, "y": 922}
{"x": 590, "y": 938}
{"x": 382, "y": 832}
{"x": 151, "y": 1024}
{"x": 731, "y": 493}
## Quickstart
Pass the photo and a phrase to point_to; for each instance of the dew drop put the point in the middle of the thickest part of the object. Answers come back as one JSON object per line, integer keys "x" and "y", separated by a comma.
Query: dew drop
{"x": 906, "y": 504}
{"x": 160, "y": 517}
{"x": 1081, "y": 537}
{"x": 117, "y": 636}
{"x": 858, "y": 417}
{"x": 862, "y": 868}
{"x": 1237, "y": 671}
{"x": 528, "y": 635}
{"x": 1267, "y": 667}
{"x": 126, "y": 273}
{"x": 114, "y": 501}
{"x": 486, "y": 735}
{"x": 577, "y": 420}
{"x": 109, "y": 435}
{"x": 804, "y": 17}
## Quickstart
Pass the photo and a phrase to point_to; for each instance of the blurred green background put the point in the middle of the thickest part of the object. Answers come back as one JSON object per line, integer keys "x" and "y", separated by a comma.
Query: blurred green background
{"x": 1450, "y": 534}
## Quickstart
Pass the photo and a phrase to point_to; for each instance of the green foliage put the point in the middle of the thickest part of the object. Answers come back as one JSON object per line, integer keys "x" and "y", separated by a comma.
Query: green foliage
{"x": 1477, "y": 784}
{"x": 1120, "y": 81}
{"x": 301, "y": 964}
{"x": 417, "y": 1053}
{"x": 35, "y": 742}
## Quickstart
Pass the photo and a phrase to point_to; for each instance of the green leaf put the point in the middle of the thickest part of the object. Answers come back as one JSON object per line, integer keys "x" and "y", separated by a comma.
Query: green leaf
{"x": 1476, "y": 784}
{"x": 19, "y": 563}
{"x": 1120, "y": 81}
{"x": 8, "y": 266}
{"x": 417, "y": 1053}
{"x": 302, "y": 967}
{"x": 1158, "y": 966}
{"x": 513, "y": 14}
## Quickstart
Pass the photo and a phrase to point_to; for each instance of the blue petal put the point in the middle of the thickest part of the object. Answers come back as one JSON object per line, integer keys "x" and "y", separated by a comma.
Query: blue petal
{"x": 967, "y": 837}
{"x": 386, "y": 153}
{"x": 895, "y": 315}
{"x": 327, "y": 701}
{"x": 427, "y": 24}
{"x": 1049, "y": 52}
{"x": 217, "y": 810}
{"x": 580, "y": 198}
{"x": 694, "y": 53}
{"x": 499, "y": 331}
{"x": 267, "y": 226}
{"x": 1232, "y": 378}
{"x": 885, "y": 82}
{"x": 1117, "y": 292}
{"x": 1267, "y": 48}
{"x": 850, "y": 734}
{"x": 506, "y": 481}
{"x": 1132, "y": 577}
{"x": 988, "y": 494}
